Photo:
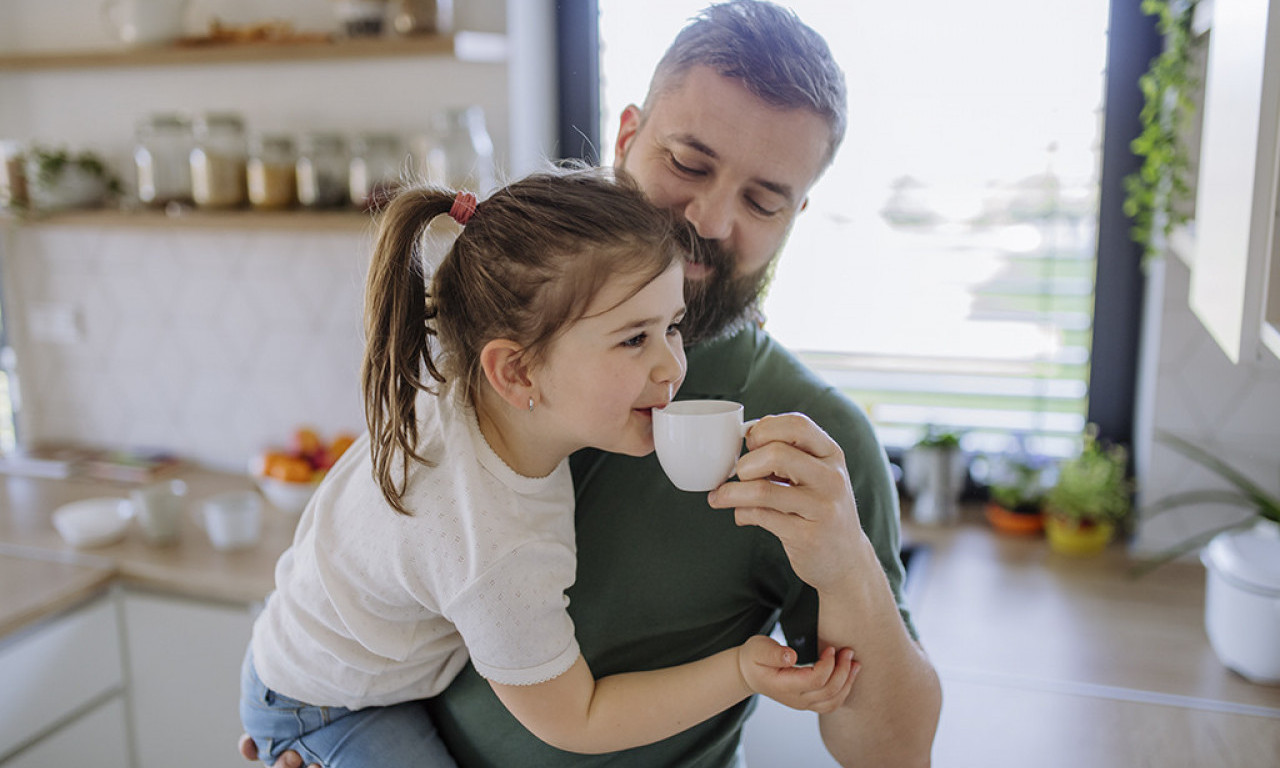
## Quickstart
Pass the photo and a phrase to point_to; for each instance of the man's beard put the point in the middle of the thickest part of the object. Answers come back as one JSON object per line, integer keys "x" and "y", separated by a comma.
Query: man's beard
{"x": 721, "y": 302}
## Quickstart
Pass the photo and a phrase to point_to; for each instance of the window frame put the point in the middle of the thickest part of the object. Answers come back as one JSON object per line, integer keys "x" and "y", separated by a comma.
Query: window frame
{"x": 1132, "y": 41}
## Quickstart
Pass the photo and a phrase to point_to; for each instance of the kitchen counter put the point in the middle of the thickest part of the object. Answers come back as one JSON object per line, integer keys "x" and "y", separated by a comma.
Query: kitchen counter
{"x": 43, "y": 574}
{"x": 1049, "y": 660}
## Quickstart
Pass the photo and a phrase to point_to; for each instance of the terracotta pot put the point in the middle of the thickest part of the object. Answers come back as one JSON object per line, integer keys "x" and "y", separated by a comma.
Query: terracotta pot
{"x": 1077, "y": 537}
{"x": 1006, "y": 520}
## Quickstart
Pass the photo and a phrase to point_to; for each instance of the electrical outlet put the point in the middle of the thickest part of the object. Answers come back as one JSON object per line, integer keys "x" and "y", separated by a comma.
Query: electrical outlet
{"x": 56, "y": 323}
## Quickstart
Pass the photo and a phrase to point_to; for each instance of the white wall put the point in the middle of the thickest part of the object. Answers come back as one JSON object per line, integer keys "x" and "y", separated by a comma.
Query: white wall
{"x": 1193, "y": 391}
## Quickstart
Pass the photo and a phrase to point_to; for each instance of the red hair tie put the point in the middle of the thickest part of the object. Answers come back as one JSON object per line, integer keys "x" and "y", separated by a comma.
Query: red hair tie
{"x": 464, "y": 207}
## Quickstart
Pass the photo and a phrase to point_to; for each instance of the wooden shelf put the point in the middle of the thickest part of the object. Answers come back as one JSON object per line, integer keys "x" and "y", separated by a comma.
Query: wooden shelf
{"x": 477, "y": 47}
{"x": 189, "y": 218}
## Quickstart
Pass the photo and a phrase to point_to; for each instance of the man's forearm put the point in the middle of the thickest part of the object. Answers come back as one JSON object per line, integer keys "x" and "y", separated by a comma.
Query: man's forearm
{"x": 892, "y": 715}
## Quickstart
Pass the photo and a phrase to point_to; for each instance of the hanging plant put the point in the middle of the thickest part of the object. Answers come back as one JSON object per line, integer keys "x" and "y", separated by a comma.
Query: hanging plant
{"x": 1155, "y": 194}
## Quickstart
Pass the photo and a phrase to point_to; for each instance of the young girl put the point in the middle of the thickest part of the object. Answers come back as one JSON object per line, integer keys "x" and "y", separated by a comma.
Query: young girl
{"x": 446, "y": 532}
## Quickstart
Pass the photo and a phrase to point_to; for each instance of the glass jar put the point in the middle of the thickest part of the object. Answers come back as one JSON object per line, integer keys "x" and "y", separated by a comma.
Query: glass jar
{"x": 272, "y": 173}
{"x": 218, "y": 161}
{"x": 322, "y": 170}
{"x": 161, "y": 157}
{"x": 468, "y": 149}
{"x": 376, "y": 160}
{"x": 423, "y": 17}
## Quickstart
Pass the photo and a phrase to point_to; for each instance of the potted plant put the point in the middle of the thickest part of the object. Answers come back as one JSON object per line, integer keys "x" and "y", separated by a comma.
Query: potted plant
{"x": 57, "y": 179}
{"x": 934, "y": 470}
{"x": 1017, "y": 489}
{"x": 1242, "y": 590}
{"x": 1090, "y": 495}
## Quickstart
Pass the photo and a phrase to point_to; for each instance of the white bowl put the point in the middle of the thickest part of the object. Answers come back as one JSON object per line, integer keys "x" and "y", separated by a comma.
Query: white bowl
{"x": 93, "y": 522}
{"x": 285, "y": 496}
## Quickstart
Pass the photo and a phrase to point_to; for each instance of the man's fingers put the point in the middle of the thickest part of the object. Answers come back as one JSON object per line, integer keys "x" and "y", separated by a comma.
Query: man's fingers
{"x": 248, "y": 749}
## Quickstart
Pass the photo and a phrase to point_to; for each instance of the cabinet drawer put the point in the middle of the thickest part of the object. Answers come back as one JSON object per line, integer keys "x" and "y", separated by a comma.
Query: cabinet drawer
{"x": 55, "y": 669}
{"x": 96, "y": 739}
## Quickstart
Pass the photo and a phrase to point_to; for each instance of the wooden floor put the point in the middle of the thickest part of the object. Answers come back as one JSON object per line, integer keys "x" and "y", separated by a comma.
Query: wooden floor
{"x": 1056, "y": 662}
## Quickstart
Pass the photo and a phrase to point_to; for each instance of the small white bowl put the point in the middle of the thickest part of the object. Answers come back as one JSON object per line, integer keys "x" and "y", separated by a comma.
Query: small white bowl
{"x": 93, "y": 522}
{"x": 285, "y": 496}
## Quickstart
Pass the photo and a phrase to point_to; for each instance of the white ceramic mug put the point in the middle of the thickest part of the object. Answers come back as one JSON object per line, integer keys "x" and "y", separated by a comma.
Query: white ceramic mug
{"x": 233, "y": 519}
{"x": 146, "y": 22}
{"x": 159, "y": 509}
{"x": 699, "y": 441}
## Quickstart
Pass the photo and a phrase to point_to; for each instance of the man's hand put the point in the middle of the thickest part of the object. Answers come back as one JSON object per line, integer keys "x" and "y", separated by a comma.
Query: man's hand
{"x": 289, "y": 759}
{"x": 793, "y": 482}
{"x": 769, "y": 668}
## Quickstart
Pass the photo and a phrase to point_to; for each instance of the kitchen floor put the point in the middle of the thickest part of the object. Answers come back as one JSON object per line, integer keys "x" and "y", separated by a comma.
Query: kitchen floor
{"x": 1051, "y": 661}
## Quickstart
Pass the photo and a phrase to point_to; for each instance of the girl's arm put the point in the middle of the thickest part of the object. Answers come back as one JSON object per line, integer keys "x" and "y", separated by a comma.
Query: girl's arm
{"x": 578, "y": 713}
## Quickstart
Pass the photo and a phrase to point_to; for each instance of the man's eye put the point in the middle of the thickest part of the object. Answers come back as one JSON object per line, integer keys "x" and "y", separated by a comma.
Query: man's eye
{"x": 636, "y": 341}
{"x": 762, "y": 210}
{"x": 682, "y": 168}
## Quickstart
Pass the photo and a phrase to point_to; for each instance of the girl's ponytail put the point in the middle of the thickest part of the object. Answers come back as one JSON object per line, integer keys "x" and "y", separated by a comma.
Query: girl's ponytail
{"x": 398, "y": 330}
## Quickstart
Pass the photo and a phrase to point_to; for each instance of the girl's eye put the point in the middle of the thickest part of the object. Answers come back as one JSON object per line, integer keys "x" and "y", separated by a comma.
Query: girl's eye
{"x": 636, "y": 341}
{"x": 673, "y": 329}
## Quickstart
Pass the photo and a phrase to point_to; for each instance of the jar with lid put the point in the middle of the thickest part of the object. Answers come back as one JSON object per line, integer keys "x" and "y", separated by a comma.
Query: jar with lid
{"x": 272, "y": 173}
{"x": 322, "y": 170}
{"x": 468, "y": 149}
{"x": 376, "y": 160}
{"x": 218, "y": 161}
{"x": 161, "y": 157}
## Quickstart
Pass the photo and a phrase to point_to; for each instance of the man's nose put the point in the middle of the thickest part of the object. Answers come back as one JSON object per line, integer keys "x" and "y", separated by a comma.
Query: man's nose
{"x": 711, "y": 214}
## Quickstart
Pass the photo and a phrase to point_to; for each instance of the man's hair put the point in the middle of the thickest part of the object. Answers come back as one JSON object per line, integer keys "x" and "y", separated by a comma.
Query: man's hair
{"x": 777, "y": 57}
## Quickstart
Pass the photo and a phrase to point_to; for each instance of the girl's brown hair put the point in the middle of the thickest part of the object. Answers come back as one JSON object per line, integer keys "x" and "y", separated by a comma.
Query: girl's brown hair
{"x": 526, "y": 265}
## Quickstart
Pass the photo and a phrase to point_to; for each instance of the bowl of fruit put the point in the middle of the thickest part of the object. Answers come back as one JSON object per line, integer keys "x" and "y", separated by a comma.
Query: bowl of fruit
{"x": 289, "y": 476}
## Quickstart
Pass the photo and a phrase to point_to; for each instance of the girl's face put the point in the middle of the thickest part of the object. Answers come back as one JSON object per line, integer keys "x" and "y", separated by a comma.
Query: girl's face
{"x": 604, "y": 375}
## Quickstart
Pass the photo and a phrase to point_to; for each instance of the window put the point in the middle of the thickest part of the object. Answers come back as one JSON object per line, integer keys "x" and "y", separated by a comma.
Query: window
{"x": 943, "y": 272}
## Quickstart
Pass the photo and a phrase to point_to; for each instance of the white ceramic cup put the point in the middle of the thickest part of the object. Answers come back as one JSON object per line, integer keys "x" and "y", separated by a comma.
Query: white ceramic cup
{"x": 232, "y": 519}
{"x": 699, "y": 441}
{"x": 146, "y": 22}
{"x": 159, "y": 509}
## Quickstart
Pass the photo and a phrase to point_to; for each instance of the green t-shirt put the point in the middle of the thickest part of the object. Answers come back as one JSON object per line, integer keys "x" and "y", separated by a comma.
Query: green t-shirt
{"x": 665, "y": 579}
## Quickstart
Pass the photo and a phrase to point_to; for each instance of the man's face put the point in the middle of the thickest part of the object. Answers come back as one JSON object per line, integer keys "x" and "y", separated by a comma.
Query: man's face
{"x": 737, "y": 169}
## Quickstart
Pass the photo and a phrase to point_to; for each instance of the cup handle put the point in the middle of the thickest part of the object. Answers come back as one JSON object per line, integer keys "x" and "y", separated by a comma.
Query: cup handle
{"x": 746, "y": 427}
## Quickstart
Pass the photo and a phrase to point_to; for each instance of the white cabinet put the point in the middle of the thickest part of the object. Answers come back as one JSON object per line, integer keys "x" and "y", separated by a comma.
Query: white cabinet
{"x": 184, "y": 669}
{"x": 96, "y": 739}
{"x": 1235, "y": 280}
{"x": 59, "y": 678}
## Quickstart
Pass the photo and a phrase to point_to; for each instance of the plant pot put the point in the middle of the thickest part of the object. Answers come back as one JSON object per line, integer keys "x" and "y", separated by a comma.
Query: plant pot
{"x": 1013, "y": 521}
{"x": 1079, "y": 538}
{"x": 935, "y": 476}
{"x": 1242, "y": 601}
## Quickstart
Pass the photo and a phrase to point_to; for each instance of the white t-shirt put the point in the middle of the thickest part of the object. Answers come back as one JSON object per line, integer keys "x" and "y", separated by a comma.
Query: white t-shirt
{"x": 373, "y": 607}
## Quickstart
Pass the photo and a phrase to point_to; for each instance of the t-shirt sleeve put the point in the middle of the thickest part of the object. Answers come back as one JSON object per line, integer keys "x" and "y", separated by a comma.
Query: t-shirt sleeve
{"x": 514, "y": 616}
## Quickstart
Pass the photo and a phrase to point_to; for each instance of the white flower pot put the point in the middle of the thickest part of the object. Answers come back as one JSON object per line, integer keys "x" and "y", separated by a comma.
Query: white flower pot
{"x": 935, "y": 477}
{"x": 1242, "y": 601}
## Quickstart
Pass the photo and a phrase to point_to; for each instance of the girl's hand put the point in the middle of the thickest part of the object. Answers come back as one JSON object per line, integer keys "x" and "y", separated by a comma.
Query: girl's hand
{"x": 769, "y": 668}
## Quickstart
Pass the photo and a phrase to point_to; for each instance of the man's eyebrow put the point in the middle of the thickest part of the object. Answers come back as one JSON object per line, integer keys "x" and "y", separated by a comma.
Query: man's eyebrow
{"x": 692, "y": 142}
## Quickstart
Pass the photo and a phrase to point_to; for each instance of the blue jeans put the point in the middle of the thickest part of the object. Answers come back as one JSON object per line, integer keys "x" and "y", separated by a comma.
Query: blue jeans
{"x": 336, "y": 737}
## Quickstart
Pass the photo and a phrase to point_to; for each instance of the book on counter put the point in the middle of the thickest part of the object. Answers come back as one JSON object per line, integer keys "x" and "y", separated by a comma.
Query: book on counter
{"x": 62, "y": 461}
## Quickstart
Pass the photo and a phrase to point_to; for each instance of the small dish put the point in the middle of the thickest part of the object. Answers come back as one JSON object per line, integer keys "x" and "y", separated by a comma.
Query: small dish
{"x": 93, "y": 522}
{"x": 288, "y": 497}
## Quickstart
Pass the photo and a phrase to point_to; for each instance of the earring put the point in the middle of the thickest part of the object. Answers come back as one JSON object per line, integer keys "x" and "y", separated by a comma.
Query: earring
{"x": 531, "y": 405}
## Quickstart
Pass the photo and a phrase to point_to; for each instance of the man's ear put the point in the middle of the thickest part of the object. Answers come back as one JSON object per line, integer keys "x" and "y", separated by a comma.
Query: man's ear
{"x": 628, "y": 125}
{"x": 507, "y": 371}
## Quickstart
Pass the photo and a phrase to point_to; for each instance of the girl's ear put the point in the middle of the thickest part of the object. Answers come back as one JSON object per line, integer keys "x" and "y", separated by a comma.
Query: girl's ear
{"x": 507, "y": 371}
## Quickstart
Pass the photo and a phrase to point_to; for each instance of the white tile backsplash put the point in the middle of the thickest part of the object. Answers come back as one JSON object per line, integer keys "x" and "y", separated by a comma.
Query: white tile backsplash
{"x": 211, "y": 344}
{"x": 1232, "y": 411}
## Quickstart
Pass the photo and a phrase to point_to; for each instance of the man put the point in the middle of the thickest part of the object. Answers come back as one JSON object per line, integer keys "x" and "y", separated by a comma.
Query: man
{"x": 744, "y": 113}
